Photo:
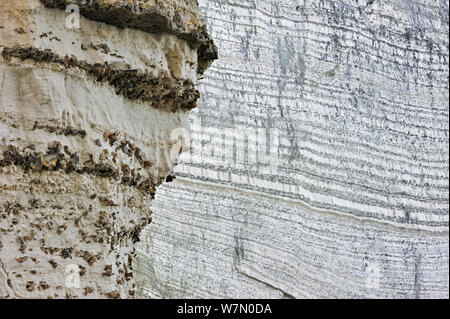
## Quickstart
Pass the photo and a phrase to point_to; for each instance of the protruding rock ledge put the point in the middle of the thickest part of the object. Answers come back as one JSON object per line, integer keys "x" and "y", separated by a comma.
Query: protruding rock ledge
{"x": 179, "y": 18}
{"x": 163, "y": 92}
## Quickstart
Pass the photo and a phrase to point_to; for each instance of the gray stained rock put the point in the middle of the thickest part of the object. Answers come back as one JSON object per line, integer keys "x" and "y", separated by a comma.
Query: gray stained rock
{"x": 357, "y": 205}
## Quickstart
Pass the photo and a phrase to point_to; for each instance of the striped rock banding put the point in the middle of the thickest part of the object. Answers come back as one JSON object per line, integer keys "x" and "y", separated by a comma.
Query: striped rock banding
{"x": 357, "y": 205}
{"x": 86, "y": 116}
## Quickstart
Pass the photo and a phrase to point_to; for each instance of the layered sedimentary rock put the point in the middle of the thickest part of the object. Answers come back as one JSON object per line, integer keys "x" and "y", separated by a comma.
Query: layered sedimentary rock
{"x": 353, "y": 200}
{"x": 87, "y": 107}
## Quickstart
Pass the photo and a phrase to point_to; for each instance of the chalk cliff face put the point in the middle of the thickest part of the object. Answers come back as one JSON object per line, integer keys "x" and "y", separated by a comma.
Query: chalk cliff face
{"x": 357, "y": 204}
{"x": 87, "y": 107}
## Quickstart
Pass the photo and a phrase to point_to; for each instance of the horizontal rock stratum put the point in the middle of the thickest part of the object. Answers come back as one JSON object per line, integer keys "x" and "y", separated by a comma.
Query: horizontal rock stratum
{"x": 357, "y": 204}
{"x": 86, "y": 115}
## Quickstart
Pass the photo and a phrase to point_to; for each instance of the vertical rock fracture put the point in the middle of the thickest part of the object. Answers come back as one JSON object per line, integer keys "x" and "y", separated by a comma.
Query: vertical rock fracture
{"x": 89, "y": 96}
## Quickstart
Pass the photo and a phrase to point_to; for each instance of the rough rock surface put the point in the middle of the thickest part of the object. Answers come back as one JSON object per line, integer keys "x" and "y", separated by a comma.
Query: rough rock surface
{"x": 178, "y": 17}
{"x": 86, "y": 116}
{"x": 358, "y": 206}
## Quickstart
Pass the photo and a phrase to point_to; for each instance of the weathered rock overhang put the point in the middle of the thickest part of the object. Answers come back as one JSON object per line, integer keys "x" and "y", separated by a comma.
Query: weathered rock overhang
{"x": 152, "y": 17}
